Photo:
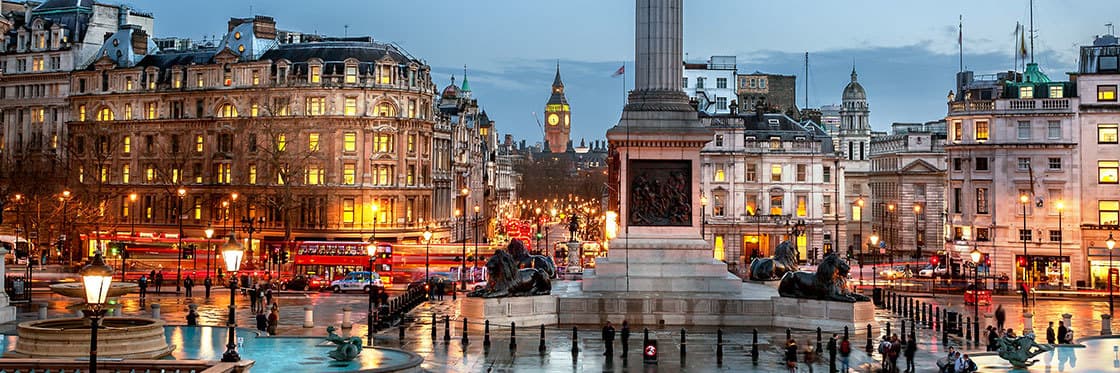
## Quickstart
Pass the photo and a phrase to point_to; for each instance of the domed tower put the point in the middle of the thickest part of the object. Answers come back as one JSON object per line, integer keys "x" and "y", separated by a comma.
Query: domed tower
{"x": 558, "y": 117}
{"x": 855, "y": 125}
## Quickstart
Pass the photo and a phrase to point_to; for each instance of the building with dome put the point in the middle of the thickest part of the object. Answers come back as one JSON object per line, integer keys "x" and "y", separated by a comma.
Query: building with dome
{"x": 854, "y": 140}
{"x": 340, "y": 139}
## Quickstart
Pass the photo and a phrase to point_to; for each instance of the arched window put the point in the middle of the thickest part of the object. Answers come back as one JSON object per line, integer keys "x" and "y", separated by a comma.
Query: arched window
{"x": 386, "y": 109}
{"x": 105, "y": 114}
{"x": 227, "y": 111}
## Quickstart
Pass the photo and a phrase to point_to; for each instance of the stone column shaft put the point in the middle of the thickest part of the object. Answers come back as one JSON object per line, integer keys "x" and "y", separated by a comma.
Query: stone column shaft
{"x": 658, "y": 45}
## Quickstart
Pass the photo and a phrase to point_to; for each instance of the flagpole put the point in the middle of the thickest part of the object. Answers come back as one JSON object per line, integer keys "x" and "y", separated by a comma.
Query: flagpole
{"x": 960, "y": 40}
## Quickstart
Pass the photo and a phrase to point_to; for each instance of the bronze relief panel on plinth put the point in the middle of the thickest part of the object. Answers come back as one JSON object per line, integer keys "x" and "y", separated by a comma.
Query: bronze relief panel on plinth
{"x": 660, "y": 193}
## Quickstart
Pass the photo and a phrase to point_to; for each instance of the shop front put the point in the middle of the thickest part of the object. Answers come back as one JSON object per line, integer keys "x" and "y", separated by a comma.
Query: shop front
{"x": 1043, "y": 271}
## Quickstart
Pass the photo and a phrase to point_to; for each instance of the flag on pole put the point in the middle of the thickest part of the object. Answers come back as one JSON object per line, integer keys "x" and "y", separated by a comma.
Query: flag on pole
{"x": 621, "y": 70}
{"x": 1022, "y": 43}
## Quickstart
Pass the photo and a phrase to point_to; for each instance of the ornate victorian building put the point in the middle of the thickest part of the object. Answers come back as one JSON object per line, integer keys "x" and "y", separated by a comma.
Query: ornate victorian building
{"x": 339, "y": 139}
{"x": 558, "y": 117}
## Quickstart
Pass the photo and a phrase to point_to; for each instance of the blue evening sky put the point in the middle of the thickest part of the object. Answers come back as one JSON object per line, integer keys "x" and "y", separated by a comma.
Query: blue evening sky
{"x": 905, "y": 51}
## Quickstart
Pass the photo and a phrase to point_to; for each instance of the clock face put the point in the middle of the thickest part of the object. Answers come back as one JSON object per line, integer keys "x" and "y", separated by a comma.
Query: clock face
{"x": 553, "y": 119}
{"x": 567, "y": 120}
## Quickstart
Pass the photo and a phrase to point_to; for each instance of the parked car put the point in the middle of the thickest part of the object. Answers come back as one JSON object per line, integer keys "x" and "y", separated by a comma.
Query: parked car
{"x": 432, "y": 279}
{"x": 358, "y": 280}
{"x": 304, "y": 283}
{"x": 896, "y": 272}
{"x": 930, "y": 271}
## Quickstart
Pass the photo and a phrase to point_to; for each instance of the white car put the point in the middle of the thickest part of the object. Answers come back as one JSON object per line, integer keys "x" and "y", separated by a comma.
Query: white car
{"x": 356, "y": 281}
{"x": 930, "y": 271}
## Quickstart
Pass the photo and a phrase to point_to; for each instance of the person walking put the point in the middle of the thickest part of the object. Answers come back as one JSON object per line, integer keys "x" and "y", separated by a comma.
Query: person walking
{"x": 845, "y": 353}
{"x": 608, "y": 339}
{"x": 1050, "y": 333}
{"x": 273, "y": 320}
{"x": 1062, "y": 331}
{"x": 188, "y": 285}
{"x": 911, "y": 349}
{"x": 252, "y": 299}
{"x": 791, "y": 355}
{"x": 1026, "y": 293}
{"x": 1001, "y": 316}
{"x": 268, "y": 293}
{"x": 262, "y": 321}
{"x": 625, "y": 337}
{"x": 894, "y": 352}
{"x": 810, "y": 355}
{"x": 832, "y": 354}
{"x": 143, "y": 284}
{"x": 884, "y": 349}
{"x": 159, "y": 281}
{"x": 207, "y": 284}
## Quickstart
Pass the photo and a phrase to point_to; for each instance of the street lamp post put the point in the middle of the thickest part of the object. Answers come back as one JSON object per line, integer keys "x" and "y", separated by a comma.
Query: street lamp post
{"x": 209, "y": 250}
{"x": 976, "y": 295}
{"x": 874, "y": 242}
{"x": 917, "y": 217}
{"x": 371, "y": 251}
{"x": 232, "y": 252}
{"x": 703, "y": 216}
{"x": 890, "y": 233}
{"x": 1061, "y": 235}
{"x": 1110, "y": 243}
{"x": 65, "y": 199}
{"x": 250, "y": 225}
{"x": 427, "y": 254}
{"x": 540, "y": 222}
{"x": 859, "y": 202}
{"x": 1024, "y": 200}
{"x": 477, "y": 209}
{"x": 463, "y": 258}
{"x": 96, "y": 277}
{"x": 132, "y": 197}
{"x": 179, "y": 261}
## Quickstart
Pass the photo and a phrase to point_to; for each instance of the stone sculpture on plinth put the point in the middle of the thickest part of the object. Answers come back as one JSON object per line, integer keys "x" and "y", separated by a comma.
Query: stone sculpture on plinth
{"x": 346, "y": 349}
{"x": 829, "y": 282}
{"x": 1020, "y": 351}
{"x": 773, "y": 268}
{"x": 507, "y": 276}
{"x": 524, "y": 259}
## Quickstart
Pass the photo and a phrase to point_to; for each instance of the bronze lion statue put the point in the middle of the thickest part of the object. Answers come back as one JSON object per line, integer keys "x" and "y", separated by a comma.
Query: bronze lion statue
{"x": 505, "y": 279}
{"x": 829, "y": 282}
{"x": 770, "y": 269}
{"x": 524, "y": 259}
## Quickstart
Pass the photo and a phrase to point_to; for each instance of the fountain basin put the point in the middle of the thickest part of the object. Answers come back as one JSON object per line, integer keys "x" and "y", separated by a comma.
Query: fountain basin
{"x": 78, "y": 290}
{"x": 119, "y": 337}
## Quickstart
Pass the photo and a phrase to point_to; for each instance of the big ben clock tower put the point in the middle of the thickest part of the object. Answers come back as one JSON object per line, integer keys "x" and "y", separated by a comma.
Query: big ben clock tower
{"x": 558, "y": 117}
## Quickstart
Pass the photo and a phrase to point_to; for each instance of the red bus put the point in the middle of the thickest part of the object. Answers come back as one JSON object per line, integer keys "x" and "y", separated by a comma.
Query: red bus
{"x": 335, "y": 258}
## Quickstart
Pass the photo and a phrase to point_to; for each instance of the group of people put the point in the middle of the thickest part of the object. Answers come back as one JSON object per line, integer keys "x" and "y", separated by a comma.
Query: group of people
{"x": 956, "y": 362}
{"x": 1064, "y": 335}
{"x": 608, "y": 339}
{"x": 892, "y": 347}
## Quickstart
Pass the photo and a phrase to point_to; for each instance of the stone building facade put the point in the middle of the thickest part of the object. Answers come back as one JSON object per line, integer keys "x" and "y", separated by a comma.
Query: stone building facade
{"x": 907, "y": 184}
{"x": 779, "y": 92}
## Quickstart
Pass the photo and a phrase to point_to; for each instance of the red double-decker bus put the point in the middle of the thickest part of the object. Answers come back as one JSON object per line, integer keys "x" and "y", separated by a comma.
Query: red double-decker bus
{"x": 336, "y": 258}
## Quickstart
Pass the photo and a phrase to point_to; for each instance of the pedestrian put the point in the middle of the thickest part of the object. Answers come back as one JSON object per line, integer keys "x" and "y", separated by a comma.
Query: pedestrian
{"x": 845, "y": 352}
{"x": 1025, "y": 292}
{"x": 911, "y": 349}
{"x": 188, "y": 285}
{"x": 260, "y": 296}
{"x": 810, "y": 355}
{"x": 625, "y": 337}
{"x": 159, "y": 281}
{"x": 143, "y": 284}
{"x": 884, "y": 349}
{"x": 252, "y": 299}
{"x": 262, "y": 321}
{"x": 993, "y": 338}
{"x": 832, "y": 353}
{"x": 1062, "y": 331}
{"x": 1050, "y": 333}
{"x": 1001, "y": 316}
{"x": 207, "y": 284}
{"x": 1069, "y": 335}
{"x": 442, "y": 288}
{"x": 608, "y": 339}
{"x": 965, "y": 365}
{"x": 273, "y": 320}
{"x": 268, "y": 292}
{"x": 894, "y": 352}
{"x": 791, "y": 355}
{"x": 192, "y": 315}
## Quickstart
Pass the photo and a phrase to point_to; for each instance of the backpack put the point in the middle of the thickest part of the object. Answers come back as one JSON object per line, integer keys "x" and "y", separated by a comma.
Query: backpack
{"x": 845, "y": 348}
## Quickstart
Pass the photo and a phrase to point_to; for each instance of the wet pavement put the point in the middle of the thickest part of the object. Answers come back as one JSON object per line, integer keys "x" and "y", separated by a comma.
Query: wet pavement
{"x": 455, "y": 355}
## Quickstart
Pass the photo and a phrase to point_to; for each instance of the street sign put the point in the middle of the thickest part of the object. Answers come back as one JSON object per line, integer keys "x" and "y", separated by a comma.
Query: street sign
{"x": 649, "y": 352}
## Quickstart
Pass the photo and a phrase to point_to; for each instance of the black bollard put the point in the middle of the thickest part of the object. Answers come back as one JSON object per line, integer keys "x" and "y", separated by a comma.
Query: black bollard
{"x": 845, "y": 331}
{"x": 868, "y": 347}
{"x": 684, "y": 347}
{"x": 433, "y": 328}
{"x": 754, "y": 346}
{"x": 888, "y": 328}
{"x": 819, "y": 340}
{"x": 486, "y": 335}
{"x": 465, "y": 340}
{"x": 936, "y": 316}
{"x": 575, "y": 340}
{"x": 540, "y": 346}
{"x": 968, "y": 328}
{"x": 719, "y": 346}
{"x": 944, "y": 335}
{"x": 512, "y": 336}
{"x": 447, "y": 328}
{"x": 645, "y": 338}
{"x": 902, "y": 325}
{"x": 913, "y": 329}
{"x": 400, "y": 333}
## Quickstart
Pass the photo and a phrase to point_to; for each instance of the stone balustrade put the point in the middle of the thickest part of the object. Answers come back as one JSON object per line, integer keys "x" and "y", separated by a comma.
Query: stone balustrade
{"x": 125, "y": 366}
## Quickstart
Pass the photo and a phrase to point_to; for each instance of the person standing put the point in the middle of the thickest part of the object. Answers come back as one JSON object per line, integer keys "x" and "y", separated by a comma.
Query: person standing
{"x": 159, "y": 281}
{"x": 791, "y": 355}
{"x": 1026, "y": 293}
{"x": 207, "y": 284}
{"x": 1050, "y": 333}
{"x": 143, "y": 284}
{"x": 810, "y": 355}
{"x": 188, "y": 284}
{"x": 911, "y": 349}
{"x": 884, "y": 349}
{"x": 262, "y": 321}
{"x": 273, "y": 320}
{"x": 832, "y": 354}
{"x": 1062, "y": 331}
{"x": 608, "y": 339}
{"x": 252, "y": 299}
{"x": 993, "y": 338}
{"x": 845, "y": 352}
{"x": 894, "y": 352}
{"x": 625, "y": 337}
{"x": 1001, "y": 316}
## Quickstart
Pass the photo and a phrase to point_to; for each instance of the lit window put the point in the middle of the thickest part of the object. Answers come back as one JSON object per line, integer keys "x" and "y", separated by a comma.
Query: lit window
{"x": 200, "y": 80}
{"x": 776, "y": 204}
{"x": 383, "y": 143}
{"x": 719, "y": 174}
{"x": 197, "y": 208}
{"x": 1106, "y": 93}
{"x": 151, "y": 110}
{"x": 316, "y": 105}
{"x": 314, "y": 175}
{"x": 351, "y": 74}
{"x": 717, "y": 251}
{"x": 351, "y": 107}
{"x": 281, "y": 142}
{"x": 37, "y": 64}
{"x": 313, "y": 142}
{"x": 348, "y": 170}
{"x": 104, "y": 174}
{"x": 81, "y": 113}
{"x": 252, "y": 174}
{"x": 222, "y": 173}
{"x": 198, "y": 141}
{"x": 127, "y": 111}
{"x": 410, "y": 177}
{"x": 1107, "y": 172}
{"x": 958, "y": 132}
{"x": 37, "y": 115}
{"x": 411, "y": 144}
{"x": 385, "y": 110}
{"x": 149, "y": 174}
{"x": 383, "y": 175}
{"x": 385, "y": 74}
{"x": 1108, "y": 212}
{"x": 256, "y": 77}
{"x": 105, "y": 114}
{"x": 178, "y": 83}
{"x": 776, "y": 172}
{"x": 227, "y": 111}
{"x": 349, "y": 142}
{"x": 254, "y": 110}
{"x": 127, "y": 148}
{"x": 175, "y": 173}
{"x": 1026, "y": 92}
{"x": 314, "y": 75}
{"x": 348, "y": 210}
{"x": 1056, "y": 91}
{"x": 1106, "y": 133}
{"x": 981, "y": 130}
{"x": 412, "y": 108}
{"x": 124, "y": 174}
{"x": 802, "y": 209}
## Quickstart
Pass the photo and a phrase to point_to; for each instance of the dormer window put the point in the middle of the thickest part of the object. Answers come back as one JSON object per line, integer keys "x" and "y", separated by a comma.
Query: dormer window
{"x": 1026, "y": 92}
{"x": 237, "y": 35}
{"x": 256, "y": 77}
{"x": 128, "y": 83}
{"x": 351, "y": 74}
{"x": 1056, "y": 91}
{"x": 200, "y": 81}
{"x": 313, "y": 75}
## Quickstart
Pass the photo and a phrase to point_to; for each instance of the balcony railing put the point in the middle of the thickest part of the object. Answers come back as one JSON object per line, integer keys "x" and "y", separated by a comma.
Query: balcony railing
{"x": 1010, "y": 105}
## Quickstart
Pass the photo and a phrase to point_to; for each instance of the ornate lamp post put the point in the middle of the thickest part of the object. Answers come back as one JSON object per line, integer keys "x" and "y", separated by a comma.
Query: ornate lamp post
{"x": 1061, "y": 233}
{"x": 1110, "y": 243}
{"x": 874, "y": 239}
{"x": 703, "y": 216}
{"x": 917, "y": 217}
{"x": 375, "y": 208}
{"x": 65, "y": 199}
{"x": 477, "y": 209}
{"x": 97, "y": 277}
{"x": 209, "y": 248}
{"x": 427, "y": 254}
{"x": 859, "y": 202}
{"x": 232, "y": 252}
{"x": 132, "y": 198}
{"x": 1024, "y": 200}
{"x": 976, "y": 295}
{"x": 890, "y": 233}
{"x": 463, "y": 258}
{"x": 540, "y": 222}
{"x": 179, "y": 261}
{"x": 371, "y": 251}
{"x": 250, "y": 225}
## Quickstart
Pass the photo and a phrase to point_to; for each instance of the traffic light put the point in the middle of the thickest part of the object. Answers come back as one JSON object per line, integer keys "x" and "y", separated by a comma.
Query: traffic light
{"x": 284, "y": 257}
{"x": 539, "y": 235}
{"x": 1023, "y": 261}
{"x": 934, "y": 260}
{"x": 188, "y": 251}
